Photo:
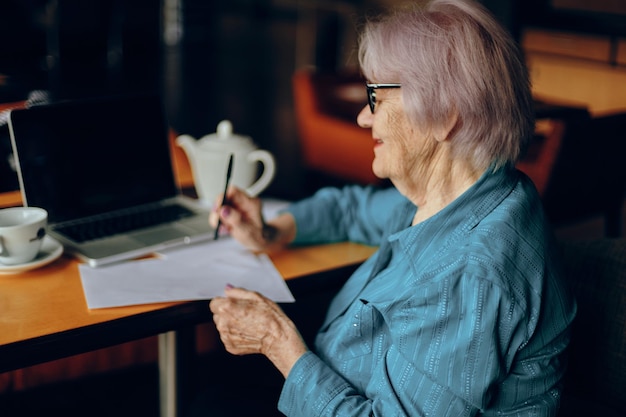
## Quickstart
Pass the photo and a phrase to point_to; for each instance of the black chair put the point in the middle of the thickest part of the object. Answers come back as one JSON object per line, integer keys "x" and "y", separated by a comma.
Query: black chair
{"x": 595, "y": 381}
{"x": 589, "y": 178}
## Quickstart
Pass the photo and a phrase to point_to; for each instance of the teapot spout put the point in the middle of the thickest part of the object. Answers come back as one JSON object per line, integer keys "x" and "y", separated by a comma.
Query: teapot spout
{"x": 186, "y": 142}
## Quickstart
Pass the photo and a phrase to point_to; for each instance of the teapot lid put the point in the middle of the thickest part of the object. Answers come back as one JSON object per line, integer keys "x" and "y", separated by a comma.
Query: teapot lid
{"x": 224, "y": 138}
{"x": 224, "y": 131}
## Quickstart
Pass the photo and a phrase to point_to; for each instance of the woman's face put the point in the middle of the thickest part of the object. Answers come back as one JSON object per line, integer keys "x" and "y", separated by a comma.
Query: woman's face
{"x": 401, "y": 152}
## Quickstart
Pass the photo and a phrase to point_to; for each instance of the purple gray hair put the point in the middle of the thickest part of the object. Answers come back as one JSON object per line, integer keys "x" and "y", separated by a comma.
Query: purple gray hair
{"x": 453, "y": 57}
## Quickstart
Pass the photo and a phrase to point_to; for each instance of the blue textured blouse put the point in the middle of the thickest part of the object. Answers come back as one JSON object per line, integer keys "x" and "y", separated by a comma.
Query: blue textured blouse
{"x": 463, "y": 314}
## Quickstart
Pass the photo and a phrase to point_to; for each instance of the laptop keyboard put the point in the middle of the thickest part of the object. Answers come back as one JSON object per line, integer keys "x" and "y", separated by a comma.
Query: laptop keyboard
{"x": 123, "y": 222}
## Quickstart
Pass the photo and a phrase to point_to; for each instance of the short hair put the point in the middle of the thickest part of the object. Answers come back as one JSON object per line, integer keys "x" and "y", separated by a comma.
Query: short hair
{"x": 452, "y": 56}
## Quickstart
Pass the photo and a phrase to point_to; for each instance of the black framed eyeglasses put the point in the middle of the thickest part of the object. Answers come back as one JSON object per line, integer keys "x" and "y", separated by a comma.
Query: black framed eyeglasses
{"x": 371, "y": 93}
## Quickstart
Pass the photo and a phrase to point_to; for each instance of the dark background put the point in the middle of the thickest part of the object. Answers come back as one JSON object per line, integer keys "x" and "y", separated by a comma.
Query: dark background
{"x": 231, "y": 60}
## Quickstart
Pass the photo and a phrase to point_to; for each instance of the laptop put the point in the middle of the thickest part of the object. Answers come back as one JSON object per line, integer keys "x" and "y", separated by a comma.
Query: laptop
{"x": 103, "y": 171}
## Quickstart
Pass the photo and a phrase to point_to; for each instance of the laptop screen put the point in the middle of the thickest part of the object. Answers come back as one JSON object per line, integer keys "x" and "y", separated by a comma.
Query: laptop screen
{"x": 87, "y": 157}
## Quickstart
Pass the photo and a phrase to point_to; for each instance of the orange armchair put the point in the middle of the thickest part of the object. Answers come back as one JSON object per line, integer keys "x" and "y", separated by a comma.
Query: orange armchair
{"x": 326, "y": 107}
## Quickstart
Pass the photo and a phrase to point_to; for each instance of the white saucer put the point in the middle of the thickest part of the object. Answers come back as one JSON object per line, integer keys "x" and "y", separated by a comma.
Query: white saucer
{"x": 50, "y": 251}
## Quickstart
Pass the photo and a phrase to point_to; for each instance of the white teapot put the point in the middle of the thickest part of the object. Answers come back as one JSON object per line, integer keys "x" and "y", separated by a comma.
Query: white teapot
{"x": 208, "y": 157}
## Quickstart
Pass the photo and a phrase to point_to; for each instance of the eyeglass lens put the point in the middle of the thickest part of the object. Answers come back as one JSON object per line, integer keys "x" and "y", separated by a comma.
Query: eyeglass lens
{"x": 371, "y": 98}
{"x": 371, "y": 93}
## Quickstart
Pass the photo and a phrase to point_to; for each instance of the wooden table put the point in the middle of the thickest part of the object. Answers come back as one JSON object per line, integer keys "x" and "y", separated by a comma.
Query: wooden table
{"x": 44, "y": 314}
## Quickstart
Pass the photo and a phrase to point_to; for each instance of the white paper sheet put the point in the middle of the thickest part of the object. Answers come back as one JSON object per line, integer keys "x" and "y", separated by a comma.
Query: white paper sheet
{"x": 197, "y": 272}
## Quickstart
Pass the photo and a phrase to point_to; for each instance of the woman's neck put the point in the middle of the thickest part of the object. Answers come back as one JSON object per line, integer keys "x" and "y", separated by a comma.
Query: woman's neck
{"x": 433, "y": 189}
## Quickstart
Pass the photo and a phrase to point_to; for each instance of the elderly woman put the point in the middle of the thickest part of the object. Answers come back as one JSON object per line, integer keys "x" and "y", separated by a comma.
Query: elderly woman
{"x": 462, "y": 310}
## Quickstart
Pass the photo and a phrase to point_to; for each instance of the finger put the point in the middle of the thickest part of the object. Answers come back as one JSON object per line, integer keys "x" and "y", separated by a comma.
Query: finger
{"x": 237, "y": 348}
{"x": 236, "y": 305}
{"x": 231, "y": 218}
{"x": 214, "y": 306}
{"x": 218, "y": 202}
{"x": 233, "y": 193}
{"x": 236, "y": 339}
{"x": 237, "y": 197}
{"x": 213, "y": 218}
{"x": 238, "y": 292}
{"x": 242, "y": 201}
{"x": 257, "y": 299}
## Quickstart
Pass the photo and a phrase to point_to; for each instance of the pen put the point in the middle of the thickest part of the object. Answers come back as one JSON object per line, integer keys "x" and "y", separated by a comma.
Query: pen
{"x": 229, "y": 171}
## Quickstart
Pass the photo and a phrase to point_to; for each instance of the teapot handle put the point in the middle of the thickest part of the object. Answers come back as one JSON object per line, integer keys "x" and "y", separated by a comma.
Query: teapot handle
{"x": 269, "y": 170}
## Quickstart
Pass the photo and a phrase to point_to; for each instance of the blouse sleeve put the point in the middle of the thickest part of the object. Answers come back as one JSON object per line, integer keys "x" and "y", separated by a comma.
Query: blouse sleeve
{"x": 351, "y": 213}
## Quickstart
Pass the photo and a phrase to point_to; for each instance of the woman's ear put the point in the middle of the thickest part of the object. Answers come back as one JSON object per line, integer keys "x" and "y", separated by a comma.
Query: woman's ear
{"x": 443, "y": 132}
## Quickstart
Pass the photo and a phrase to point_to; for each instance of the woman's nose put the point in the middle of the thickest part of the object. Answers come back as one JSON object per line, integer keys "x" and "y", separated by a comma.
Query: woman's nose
{"x": 365, "y": 116}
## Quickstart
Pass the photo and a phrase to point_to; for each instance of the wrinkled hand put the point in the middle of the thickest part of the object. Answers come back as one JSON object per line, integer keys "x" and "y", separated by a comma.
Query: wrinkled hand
{"x": 241, "y": 215}
{"x": 250, "y": 323}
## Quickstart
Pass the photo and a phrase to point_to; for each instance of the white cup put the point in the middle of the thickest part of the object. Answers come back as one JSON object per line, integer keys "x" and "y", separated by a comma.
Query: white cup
{"x": 22, "y": 230}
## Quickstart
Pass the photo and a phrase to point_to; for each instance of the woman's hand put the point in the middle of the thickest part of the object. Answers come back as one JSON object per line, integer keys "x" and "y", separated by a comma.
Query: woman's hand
{"x": 250, "y": 323}
{"x": 241, "y": 215}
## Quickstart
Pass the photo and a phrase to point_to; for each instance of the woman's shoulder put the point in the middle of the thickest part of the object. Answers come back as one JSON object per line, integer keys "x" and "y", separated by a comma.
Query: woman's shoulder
{"x": 509, "y": 236}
